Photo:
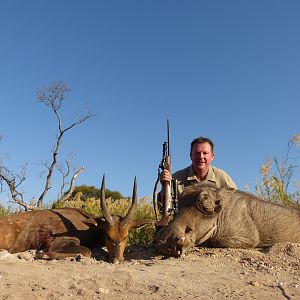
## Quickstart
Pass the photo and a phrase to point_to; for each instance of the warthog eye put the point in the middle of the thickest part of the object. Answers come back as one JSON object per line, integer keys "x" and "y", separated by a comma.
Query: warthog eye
{"x": 188, "y": 229}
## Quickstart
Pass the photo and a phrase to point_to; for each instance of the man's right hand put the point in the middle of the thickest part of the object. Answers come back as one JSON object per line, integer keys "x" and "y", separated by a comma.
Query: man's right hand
{"x": 165, "y": 176}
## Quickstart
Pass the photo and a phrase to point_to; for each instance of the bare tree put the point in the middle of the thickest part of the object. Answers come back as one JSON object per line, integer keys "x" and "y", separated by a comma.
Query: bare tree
{"x": 64, "y": 170}
{"x": 13, "y": 182}
{"x": 53, "y": 97}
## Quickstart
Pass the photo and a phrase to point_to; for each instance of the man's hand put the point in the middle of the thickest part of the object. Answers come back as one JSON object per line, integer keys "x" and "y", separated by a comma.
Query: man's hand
{"x": 165, "y": 176}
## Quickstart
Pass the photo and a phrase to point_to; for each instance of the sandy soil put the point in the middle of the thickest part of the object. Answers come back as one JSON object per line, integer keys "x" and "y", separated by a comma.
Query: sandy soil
{"x": 205, "y": 273}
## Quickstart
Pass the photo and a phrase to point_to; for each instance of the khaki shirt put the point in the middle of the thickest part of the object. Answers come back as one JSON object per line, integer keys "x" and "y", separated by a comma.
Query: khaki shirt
{"x": 217, "y": 176}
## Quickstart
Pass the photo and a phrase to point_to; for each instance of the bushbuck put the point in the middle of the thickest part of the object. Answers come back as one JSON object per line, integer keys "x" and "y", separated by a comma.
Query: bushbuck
{"x": 69, "y": 232}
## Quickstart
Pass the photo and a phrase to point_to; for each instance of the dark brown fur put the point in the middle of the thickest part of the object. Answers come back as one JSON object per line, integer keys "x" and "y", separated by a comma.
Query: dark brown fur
{"x": 58, "y": 233}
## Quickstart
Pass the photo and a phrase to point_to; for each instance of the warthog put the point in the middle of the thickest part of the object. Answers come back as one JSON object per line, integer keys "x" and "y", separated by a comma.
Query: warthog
{"x": 225, "y": 217}
{"x": 69, "y": 232}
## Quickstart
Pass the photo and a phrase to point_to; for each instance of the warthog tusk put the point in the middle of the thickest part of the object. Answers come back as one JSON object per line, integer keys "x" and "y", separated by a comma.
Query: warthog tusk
{"x": 181, "y": 240}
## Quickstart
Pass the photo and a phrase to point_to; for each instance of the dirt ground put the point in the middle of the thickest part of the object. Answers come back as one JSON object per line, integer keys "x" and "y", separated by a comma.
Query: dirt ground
{"x": 205, "y": 273}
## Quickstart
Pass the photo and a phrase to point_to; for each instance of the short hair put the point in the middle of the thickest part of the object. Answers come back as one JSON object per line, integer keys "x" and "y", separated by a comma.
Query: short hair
{"x": 201, "y": 140}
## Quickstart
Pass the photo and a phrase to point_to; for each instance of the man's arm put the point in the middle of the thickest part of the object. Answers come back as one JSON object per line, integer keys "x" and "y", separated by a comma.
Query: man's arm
{"x": 224, "y": 179}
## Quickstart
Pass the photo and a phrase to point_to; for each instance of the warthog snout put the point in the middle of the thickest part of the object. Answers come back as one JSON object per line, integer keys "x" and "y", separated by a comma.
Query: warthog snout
{"x": 177, "y": 248}
{"x": 172, "y": 244}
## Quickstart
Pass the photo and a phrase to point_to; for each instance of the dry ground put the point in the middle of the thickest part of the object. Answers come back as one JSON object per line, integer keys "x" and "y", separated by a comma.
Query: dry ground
{"x": 205, "y": 273}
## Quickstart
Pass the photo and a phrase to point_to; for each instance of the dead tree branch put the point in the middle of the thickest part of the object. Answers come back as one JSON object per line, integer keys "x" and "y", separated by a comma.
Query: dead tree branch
{"x": 67, "y": 195}
{"x": 13, "y": 182}
{"x": 64, "y": 174}
{"x": 53, "y": 97}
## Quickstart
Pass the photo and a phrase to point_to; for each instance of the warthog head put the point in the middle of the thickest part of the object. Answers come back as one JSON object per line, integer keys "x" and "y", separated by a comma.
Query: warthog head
{"x": 194, "y": 223}
{"x": 117, "y": 227}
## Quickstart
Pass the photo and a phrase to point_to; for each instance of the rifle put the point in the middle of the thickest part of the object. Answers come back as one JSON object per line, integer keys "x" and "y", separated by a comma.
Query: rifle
{"x": 168, "y": 205}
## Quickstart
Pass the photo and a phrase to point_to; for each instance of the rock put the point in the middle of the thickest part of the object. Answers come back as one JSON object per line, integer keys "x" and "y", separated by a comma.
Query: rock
{"x": 28, "y": 255}
{"x": 6, "y": 256}
{"x": 254, "y": 283}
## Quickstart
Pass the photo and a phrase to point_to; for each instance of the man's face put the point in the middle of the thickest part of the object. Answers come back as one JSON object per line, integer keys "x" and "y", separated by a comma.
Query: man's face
{"x": 201, "y": 156}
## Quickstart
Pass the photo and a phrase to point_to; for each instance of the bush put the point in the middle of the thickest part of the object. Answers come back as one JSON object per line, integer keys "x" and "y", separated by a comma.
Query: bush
{"x": 7, "y": 210}
{"x": 89, "y": 191}
{"x": 3, "y": 211}
{"x": 277, "y": 177}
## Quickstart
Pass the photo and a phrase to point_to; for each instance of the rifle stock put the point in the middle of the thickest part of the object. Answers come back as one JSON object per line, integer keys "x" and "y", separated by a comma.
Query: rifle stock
{"x": 167, "y": 202}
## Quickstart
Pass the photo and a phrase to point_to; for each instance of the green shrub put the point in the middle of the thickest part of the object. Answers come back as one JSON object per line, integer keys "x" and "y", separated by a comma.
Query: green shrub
{"x": 144, "y": 235}
{"x": 6, "y": 210}
{"x": 277, "y": 177}
{"x": 3, "y": 211}
{"x": 89, "y": 191}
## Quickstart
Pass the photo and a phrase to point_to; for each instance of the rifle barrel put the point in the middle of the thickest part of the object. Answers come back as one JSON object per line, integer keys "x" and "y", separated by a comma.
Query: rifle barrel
{"x": 169, "y": 142}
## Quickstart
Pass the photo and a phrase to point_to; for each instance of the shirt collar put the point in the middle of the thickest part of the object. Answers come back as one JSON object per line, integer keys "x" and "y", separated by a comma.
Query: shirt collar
{"x": 210, "y": 176}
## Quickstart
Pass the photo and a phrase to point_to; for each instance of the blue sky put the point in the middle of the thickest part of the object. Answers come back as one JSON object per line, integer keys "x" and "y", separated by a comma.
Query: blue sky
{"x": 228, "y": 70}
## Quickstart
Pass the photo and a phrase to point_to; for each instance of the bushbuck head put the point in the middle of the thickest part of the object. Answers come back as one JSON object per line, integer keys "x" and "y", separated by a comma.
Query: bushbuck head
{"x": 117, "y": 227}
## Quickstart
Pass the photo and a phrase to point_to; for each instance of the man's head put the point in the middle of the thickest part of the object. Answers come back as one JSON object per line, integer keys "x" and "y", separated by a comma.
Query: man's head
{"x": 202, "y": 154}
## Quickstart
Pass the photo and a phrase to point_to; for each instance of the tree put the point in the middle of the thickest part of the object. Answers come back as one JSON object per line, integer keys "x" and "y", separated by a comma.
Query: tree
{"x": 93, "y": 192}
{"x": 53, "y": 97}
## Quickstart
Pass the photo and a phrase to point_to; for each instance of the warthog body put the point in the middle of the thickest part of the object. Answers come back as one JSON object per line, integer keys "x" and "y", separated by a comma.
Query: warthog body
{"x": 226, "y": 217}
{"x": 69, "y": 232}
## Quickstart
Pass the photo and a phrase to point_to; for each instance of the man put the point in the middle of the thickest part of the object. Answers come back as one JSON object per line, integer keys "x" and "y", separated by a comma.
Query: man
{"x": 202, "y": 155}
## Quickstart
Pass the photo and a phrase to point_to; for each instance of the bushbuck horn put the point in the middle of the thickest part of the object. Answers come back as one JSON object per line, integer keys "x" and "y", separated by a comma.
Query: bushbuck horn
{"x": 103, "y": 205}
{"x": 130, "y": 214}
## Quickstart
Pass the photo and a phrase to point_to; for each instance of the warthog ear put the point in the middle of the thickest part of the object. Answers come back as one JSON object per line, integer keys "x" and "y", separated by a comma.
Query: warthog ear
{"x": 206, "y": 202}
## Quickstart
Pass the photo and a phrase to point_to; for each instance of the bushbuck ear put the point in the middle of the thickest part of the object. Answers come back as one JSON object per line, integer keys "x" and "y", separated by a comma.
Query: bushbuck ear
{"x": 141, "y": 223}
{"x": 102, "y": 223}
{"x": 90, "y": 222}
